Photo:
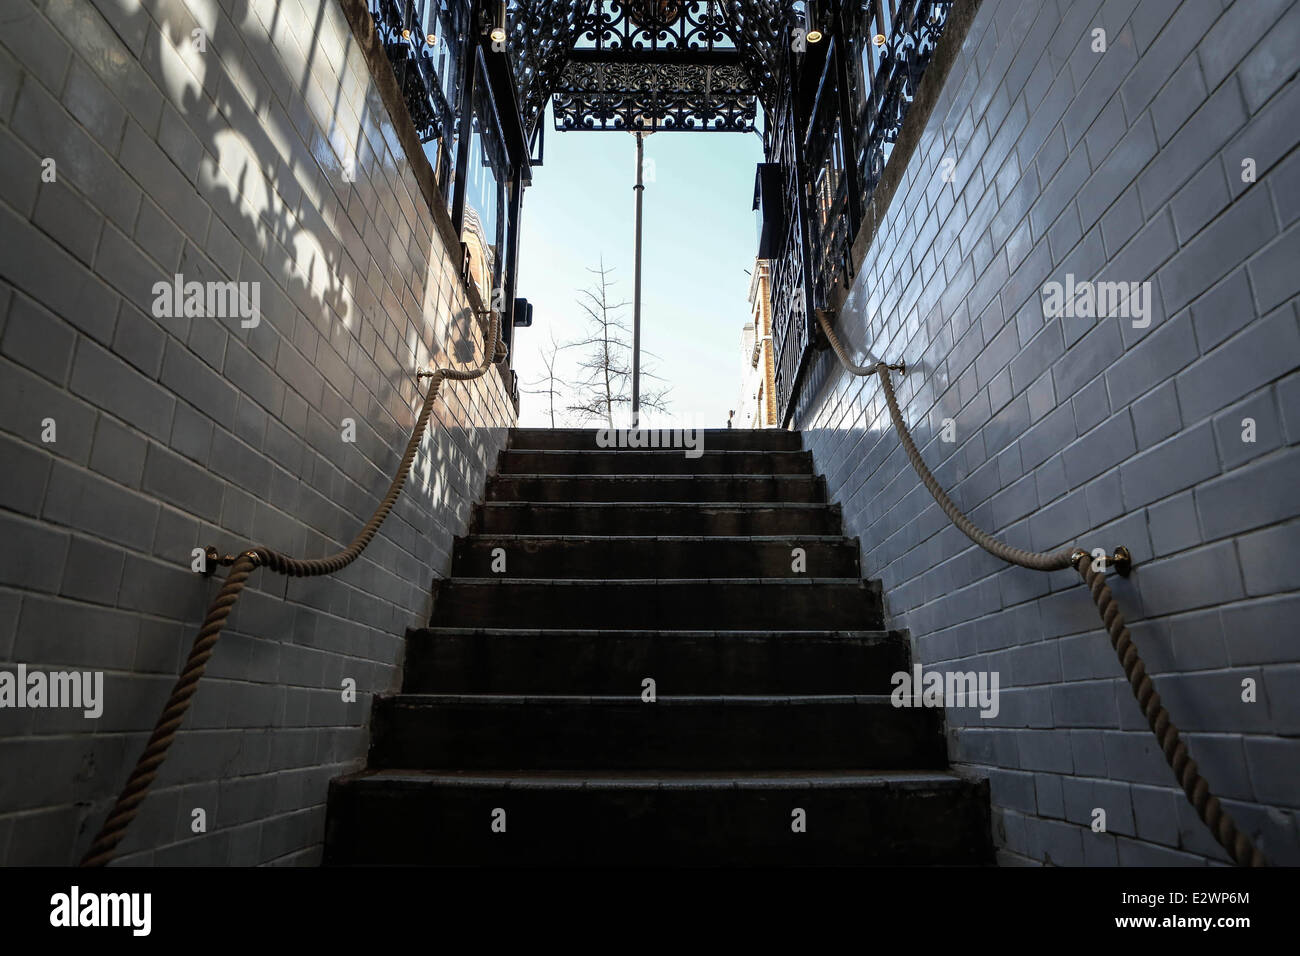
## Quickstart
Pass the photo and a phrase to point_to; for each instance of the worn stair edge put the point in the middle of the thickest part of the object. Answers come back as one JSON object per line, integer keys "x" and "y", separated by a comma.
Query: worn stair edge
{"x": 794, "y": 540}
{"x": 657, "y": 780}
{"x": 674, "y": 462}
{"x": 697, "y": 505}
{"x": 831, "y": 634}
{"x": 644, "y": 518}
{"x": 590, "y": 556}
{"x": 804, "y": 581}
{"x": 695, "y": 488}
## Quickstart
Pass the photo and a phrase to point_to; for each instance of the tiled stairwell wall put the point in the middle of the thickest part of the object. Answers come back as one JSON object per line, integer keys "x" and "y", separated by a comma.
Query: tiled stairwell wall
{"x": 226, "y": 160}
{"x": 1122, "y": 165}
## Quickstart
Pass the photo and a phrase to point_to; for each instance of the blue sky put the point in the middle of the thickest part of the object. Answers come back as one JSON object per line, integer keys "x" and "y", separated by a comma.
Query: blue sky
{"x": 700, "y": 237}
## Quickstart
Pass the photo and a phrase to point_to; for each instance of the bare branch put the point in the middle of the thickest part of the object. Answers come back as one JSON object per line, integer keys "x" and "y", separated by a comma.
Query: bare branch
{"x": 606, "y": 364}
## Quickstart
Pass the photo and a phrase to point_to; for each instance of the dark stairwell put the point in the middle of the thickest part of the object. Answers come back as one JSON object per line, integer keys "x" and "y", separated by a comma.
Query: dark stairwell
{"x": 522, "y": 734}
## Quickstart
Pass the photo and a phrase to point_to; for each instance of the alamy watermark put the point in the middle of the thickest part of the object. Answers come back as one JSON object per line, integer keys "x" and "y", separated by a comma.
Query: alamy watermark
{"x": 1100, "y": 300}
{"x": 689, "y": 439}
{"x": 76, "y": 909}
{"x": 219, "y": 300}
{"x": 946, "y": 689}
{"x": 78, "y": 690}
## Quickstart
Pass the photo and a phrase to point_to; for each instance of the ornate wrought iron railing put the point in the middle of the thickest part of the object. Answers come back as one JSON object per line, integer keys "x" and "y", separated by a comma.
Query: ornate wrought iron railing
{"x": 893, "y": 43}
{"x": 424, "y": 41}
{"x": 833, "y": 110}
{"x": 655, "y": 25}
{"x": 828, "y": 174}
{"x": 790, "y": 329}
{"x": 865, "y": 85}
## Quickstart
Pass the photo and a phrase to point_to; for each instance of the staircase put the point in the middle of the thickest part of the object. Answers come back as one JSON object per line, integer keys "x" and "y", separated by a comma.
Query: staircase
{"x": 522, "y": 734}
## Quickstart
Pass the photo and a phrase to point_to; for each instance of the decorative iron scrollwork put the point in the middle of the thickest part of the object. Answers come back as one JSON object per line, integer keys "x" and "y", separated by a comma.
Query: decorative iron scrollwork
{"x": 789, "y": 303}
{"x": 542, "y": 35}
{"x": 398, "y": 24}
{"x": 545, "y": 36}
{"x": 705, "y": 65}
{"x": 654, "y": 14}
{"x": 656, "y": 65}
{"x": 655, "y": 25}
{"x": 903, "y": 61}
{"x": 839, "y": 147}
{"x": 760, "y": 30}
{"x": 655, "y": 96}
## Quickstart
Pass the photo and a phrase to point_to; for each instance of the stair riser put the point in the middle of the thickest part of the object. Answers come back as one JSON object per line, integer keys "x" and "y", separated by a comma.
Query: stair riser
{"x": 715, "y": 439}
{"x": 705, "y": 605}
{"x": 605, "y": 558}
{"x": 656, "y": 519}
{"x": 527, "y": 693}
{"x": 613, "y": 663}
{"x": 769, "y": 488}
{"x": 631, "y": 462}
{"x": 857, "y": 825}
{"x": 632, "y": 735}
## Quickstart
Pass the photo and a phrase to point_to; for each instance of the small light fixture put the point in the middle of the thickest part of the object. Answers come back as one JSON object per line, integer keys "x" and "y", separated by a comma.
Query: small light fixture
{"x": 431, "y": 40}
{"x": 880, "y": 39}
{"x": 498, "y": 33}
{"x": 813, "y": 33}
{"x": 406, "y": 34}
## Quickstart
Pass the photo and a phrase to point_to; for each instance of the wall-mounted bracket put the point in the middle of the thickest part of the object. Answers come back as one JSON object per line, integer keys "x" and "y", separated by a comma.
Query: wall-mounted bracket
{"x": 1121, "y": 560}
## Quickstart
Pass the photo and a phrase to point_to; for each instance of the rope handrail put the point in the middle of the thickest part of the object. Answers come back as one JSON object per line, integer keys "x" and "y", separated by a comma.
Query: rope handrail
{"x": 1207, "y": 806}
{"x": 241, "y": 566}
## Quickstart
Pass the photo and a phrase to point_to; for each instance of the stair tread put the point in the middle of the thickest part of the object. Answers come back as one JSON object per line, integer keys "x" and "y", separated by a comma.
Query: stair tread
{"x": 521, "y": 430}
{"x": 748, "y": 505}
{"x": 502, "y": 580}
{"x": 703, "y": 779}
{"x": 611, "y": 700}
{"x": 660, "y": 476}
{"x": 657, "y": 632}
{"x": 656, "y": 451}
{"x": 772, "y": 686}
{"x": 710, "y": 538}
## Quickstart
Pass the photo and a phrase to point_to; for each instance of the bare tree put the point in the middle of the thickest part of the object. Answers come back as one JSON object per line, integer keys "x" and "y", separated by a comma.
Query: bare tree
{"x": 608, "y": 360}
{"x": 546, "y": 384}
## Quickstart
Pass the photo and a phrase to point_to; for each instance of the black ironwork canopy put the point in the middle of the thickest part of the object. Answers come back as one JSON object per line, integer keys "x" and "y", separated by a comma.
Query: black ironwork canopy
{"x": 835, "y": 78}
{"x": 646, "y": 64}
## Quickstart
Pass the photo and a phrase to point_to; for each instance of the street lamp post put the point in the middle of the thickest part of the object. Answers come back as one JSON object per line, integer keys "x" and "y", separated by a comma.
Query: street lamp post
{"x": 639, "y": 188}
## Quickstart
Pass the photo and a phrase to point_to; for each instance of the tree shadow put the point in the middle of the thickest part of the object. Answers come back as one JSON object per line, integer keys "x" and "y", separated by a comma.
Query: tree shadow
{"x": 311, "y": 179}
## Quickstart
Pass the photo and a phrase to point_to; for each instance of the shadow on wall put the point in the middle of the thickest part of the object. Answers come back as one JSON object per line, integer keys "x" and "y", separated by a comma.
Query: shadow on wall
{"x": 356, "y": 292}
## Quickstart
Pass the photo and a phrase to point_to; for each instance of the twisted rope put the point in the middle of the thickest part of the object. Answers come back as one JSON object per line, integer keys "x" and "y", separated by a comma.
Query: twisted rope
{"x": 178, "y": 704}
{"x": 1207, "y": 806}
{"x": 1211, "y": 812}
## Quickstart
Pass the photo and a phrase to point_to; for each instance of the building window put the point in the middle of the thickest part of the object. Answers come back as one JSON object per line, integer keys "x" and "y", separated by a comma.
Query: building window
{"x": 486, "y": 174}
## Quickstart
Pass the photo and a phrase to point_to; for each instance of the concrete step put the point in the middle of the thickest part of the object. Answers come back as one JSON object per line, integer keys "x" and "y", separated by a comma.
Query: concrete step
{"x": 654, "y": 518}
{"x": 586, "y": 439}
{"x": 670, "y": 604}
{"x": 772, "y": 680}
{"x": 515, "y": 732}
{"x": 751, "y": 488}
{"x": 657, "y": 819}
{"x": 653, "y": 462}
{"x": 502, "y": 661}
{"x": 669, "y": 556}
